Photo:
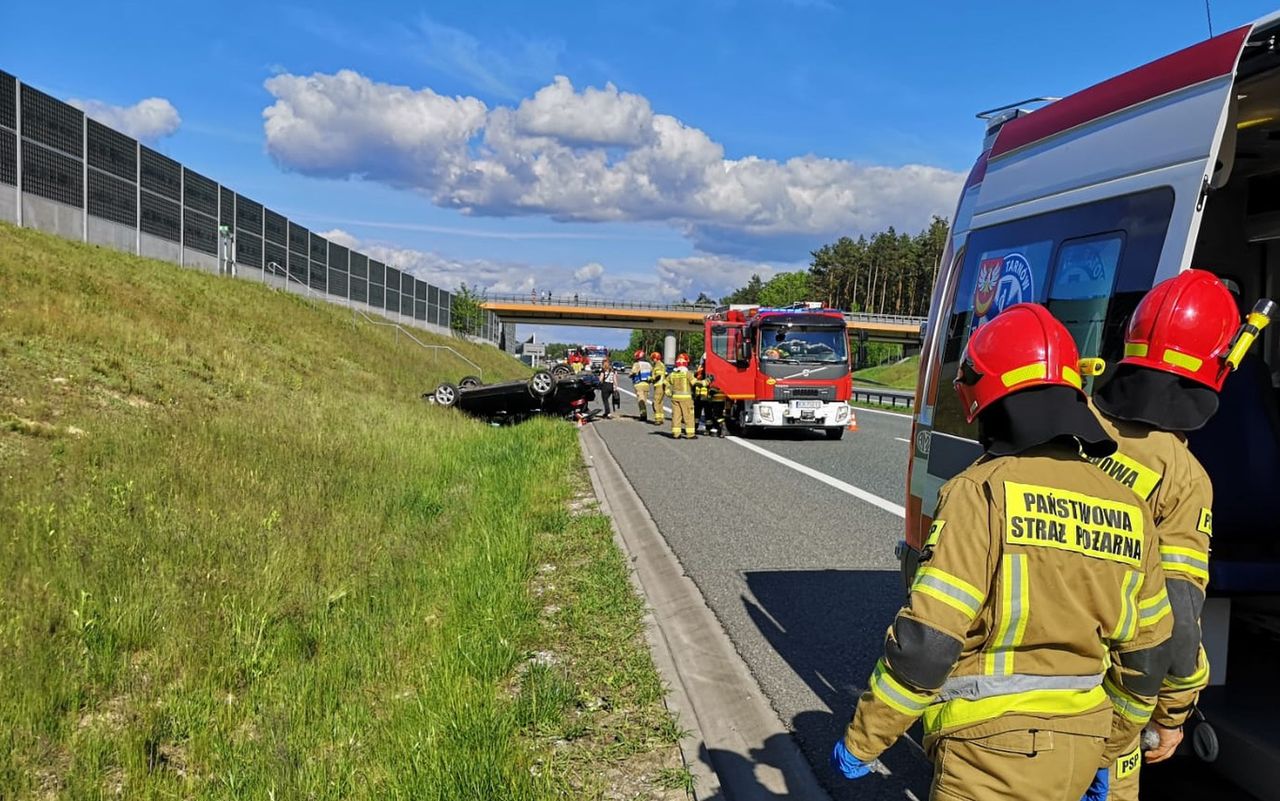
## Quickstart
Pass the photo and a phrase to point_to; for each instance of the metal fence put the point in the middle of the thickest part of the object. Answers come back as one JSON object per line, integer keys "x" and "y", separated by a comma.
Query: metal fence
{"x": 65, "y": 174}
{"x": 885, "y": 397}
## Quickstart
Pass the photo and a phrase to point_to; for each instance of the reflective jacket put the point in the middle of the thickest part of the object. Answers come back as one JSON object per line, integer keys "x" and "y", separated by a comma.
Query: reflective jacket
{"x": 680, "y": 383}
{"x": 1161, "y": 470}
{"x": 1039, "y": 604}
{"x": 641, "y": 372}
{"x": 700, "y": 387}
{"x": 659, "y": 373}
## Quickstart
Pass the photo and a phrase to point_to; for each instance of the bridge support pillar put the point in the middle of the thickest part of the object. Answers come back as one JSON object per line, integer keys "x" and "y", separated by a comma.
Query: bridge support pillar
{"x": 669, "y": 349}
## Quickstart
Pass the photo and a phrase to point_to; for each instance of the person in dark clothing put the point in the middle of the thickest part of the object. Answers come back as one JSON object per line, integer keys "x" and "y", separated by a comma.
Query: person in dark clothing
{"x": 608, "y": 386}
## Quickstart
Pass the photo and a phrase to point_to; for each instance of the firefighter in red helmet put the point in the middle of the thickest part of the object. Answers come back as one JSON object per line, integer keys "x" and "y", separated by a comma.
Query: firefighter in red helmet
{"x": 1036, "y": 603}
{"x": 680, "y": 382}
{"x": 659, "y": 387}
{"x": 641, "y": 375}
{"x": 1183, "y": 340}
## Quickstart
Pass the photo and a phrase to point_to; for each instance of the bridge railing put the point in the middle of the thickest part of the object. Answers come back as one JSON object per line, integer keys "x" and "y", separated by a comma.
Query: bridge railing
{"x": 546, "y": 299}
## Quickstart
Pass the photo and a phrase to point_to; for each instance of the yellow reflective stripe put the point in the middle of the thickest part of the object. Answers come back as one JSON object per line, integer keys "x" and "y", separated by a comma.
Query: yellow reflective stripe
{"x": 1152, "y": 610}
{"x": 1015, "y": 603}
{"x": 1127, "y": 626}
{"x": 963, "y": 712}
{"x": 1182, "y": 360}
{"x": 1128, "y": 706}
{"x": 951, "y": 590}
{"x": 1176, "y": 559}
{"x": 1028, "y": 372}
{"x": 896, "y": 694}
{"x": 1198, "y": 679}
{"x": 1135, "y": 349}
{"x": 1071, "y": 377}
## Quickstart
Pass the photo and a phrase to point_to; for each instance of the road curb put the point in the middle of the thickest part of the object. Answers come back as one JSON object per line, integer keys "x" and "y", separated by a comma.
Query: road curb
{"x": 737, "y": 749}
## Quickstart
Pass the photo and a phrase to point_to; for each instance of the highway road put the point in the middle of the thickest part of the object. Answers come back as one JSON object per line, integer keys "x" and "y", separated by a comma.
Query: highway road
{"x": 800, "y": 573}
{"x": 790, "y": 538}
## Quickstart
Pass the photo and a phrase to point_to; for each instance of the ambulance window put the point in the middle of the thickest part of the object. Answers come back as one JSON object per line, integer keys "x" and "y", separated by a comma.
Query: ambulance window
{"x": 1104, "y": 255}
{"x": 1084, "y": 277}
{"x": 720, "y": 341}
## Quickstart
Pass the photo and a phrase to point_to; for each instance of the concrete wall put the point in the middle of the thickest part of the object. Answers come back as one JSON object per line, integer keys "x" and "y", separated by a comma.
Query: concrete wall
{"x": 8, "y": 203}
{"x": 157, "y": 248}
{"x": 113, "y": 235}
{"x": 52, "y": 217}
{"x": 198, "y": 260}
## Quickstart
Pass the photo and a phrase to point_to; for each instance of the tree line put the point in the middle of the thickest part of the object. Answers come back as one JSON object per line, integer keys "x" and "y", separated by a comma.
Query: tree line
{"x": 886, "y": 273}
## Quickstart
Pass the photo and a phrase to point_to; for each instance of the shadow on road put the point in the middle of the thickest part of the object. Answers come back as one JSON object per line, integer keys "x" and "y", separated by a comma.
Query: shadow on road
{"x": 829, "y": 626}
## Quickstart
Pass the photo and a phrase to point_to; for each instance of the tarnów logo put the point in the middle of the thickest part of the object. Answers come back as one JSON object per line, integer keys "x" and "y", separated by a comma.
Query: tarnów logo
{"x": 1002, "y": 282}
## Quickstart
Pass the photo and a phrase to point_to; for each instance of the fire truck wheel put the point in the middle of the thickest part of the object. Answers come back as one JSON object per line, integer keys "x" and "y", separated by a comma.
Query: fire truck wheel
{"x": 835, "y": 433}
{"x": 470, "y": 382}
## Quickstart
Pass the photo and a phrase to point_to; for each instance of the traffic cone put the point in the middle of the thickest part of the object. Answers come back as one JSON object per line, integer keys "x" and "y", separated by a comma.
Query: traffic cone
{"x": 853, "y": 420}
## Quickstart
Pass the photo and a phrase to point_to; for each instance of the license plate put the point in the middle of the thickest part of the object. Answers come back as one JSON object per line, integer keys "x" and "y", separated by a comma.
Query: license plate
{"x": 807, "y": 404}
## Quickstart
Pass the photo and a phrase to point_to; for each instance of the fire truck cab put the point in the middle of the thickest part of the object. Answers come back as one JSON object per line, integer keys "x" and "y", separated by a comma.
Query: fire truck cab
{"x": 781, "y": 367}
{"x": 1083, "y": 204}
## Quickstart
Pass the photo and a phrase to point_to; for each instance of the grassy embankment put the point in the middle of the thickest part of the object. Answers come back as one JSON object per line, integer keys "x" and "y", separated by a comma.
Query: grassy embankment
{"x": 240, "y": 559}
{"x": 898, "y": 375}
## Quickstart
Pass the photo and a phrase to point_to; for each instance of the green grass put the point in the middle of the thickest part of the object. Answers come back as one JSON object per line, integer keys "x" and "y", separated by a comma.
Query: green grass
{"x": 899, "y": 375}
{"x": 239, "y": 558}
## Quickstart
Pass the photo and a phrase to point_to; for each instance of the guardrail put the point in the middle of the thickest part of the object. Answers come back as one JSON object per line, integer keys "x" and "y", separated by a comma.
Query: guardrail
{"x": 546, "y": 299}
{"x": 885, "y": 397}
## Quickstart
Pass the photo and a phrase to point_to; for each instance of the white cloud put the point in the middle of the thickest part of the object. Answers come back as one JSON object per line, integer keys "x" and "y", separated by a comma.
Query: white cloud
{"x": 589, "y": 272}
{"x": 340, "y": 237}
{"x": 715, "y": 275}
{"x": 148, "y": 120}
{"x": 590, "y": 155}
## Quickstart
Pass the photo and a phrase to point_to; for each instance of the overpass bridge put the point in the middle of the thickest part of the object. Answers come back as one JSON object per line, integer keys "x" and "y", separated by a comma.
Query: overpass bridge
{"x": 600, "y": 313}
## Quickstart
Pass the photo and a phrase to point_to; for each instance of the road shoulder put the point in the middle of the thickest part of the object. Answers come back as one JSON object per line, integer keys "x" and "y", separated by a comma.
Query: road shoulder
{"x": 736, "y": 747}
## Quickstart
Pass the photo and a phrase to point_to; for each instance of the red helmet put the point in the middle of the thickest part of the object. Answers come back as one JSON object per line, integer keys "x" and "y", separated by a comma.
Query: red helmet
{"x": 1185, "y": 326}
{"x": 639, "y": 355}
{"x": 657, "y": 357}
{"x": 682, "y": 360}
{"x": 1022, "y": 347}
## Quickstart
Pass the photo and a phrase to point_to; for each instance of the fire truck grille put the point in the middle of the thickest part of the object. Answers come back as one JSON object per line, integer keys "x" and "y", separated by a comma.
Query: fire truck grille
{"x": 785, "y": 393}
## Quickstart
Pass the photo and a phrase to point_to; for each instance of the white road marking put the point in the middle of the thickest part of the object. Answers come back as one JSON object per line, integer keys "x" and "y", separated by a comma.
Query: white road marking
{"x": 902, "y": 439}
{"x": 881, "y": 411}
{"x": 818, "y": 475}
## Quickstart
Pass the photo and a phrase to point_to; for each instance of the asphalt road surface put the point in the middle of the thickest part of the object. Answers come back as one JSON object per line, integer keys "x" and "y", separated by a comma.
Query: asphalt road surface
{"x": 790, "y": 538}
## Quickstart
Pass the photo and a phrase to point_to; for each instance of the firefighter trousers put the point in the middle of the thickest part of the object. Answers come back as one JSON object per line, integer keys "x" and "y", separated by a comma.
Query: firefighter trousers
{"x": 659, "y": 392}
{"x": 642, "y": 398}
{"x": 682, "y": 416}
{"x": 1014, "y": 765}
{"x": 1124, "y": 773}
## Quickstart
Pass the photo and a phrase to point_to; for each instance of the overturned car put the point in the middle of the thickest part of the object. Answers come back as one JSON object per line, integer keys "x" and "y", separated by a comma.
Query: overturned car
{"x": 512, "y": 401}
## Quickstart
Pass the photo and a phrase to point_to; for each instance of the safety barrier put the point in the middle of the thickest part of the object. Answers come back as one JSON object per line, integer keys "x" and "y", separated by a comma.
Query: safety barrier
{"x": 885, "y": 397}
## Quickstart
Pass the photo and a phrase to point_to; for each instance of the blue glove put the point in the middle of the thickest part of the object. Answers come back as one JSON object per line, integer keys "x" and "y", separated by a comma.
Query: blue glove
{"x": 846, "y": 763}
{"x": 1100, "y": 788}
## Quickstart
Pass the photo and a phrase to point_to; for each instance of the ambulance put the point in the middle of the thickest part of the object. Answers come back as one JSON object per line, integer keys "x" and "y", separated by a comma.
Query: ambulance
{"x": 1084, "y": 203}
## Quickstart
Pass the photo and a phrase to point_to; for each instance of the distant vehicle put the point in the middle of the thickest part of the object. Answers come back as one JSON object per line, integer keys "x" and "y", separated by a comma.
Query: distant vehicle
{"x": 596, "y": 354}
{"x": 781, "y": 368}
{"x": 514, "y": 401}
{"x": 1083, "y": 205}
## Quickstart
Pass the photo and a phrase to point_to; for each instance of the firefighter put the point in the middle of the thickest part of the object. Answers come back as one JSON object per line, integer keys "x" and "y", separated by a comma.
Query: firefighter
{"x": 700, "y": 391}
{"x": 1183, "y": 339}
{"x": 641, "y": 375}
{"x": 659, "y": 387}
{"x": 1038, "y": 603}
{"x": 680, "y": 381}
{"x": 717, "y": 407}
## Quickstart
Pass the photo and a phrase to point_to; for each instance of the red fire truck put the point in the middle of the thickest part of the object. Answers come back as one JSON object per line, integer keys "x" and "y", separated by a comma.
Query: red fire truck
{"x": 781, "y": 367}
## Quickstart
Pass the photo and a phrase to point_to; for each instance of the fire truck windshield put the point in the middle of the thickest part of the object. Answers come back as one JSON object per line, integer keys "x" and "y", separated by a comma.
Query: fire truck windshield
{"x": 803, "y": 344}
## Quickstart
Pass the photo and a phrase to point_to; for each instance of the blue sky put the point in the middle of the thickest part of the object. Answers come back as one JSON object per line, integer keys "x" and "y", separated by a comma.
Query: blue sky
{"x": 684, "y": 145}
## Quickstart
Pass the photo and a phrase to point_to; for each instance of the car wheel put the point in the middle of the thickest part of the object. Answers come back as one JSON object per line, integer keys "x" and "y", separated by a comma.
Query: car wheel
{"x": 835, "y": 433}
{"x": 561, "y": 370}
{"x": 542, "y": 384}
{"x": 470, "y": 382}
{"x": 446, "y": 394}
